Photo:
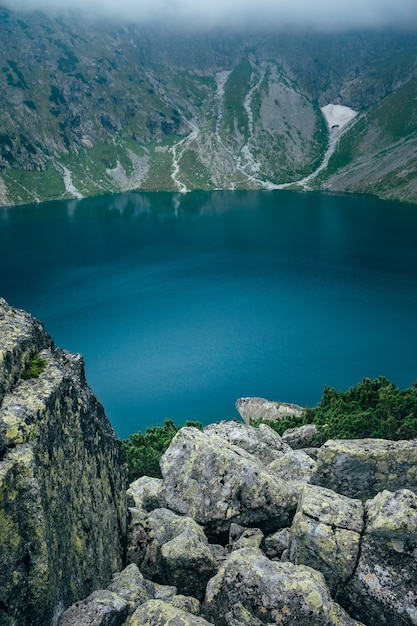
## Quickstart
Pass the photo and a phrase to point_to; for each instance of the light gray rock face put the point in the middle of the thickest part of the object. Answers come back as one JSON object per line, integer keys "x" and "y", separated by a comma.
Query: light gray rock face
{"x": 146, "y": 493}
{"x": 250, "y": 589}
{"x": 301, "y": 437}
{"x": 171, "y": 549}
{"x": 294, "y": 467}
{"x": 130, "y": 585}
{"x": 262, "y": 442}
{"x": 251, "y": 409}
{"x": 217, "y": 483}
{"x": 62, "y": 492}
{"x": 360, "y": 468}
{"x": 275, "y": 544}
{"x": 326, "y": 534}
{"x": 383, "y": 589}
{"x": 159, "y": 613}
{"x": 101, "y": 608}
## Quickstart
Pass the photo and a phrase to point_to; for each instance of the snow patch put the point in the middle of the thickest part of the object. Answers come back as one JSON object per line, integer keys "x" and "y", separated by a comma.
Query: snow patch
{"x": 337, "y": 115}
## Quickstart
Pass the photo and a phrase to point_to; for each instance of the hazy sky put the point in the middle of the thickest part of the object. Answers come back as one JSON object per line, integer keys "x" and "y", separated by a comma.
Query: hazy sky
{"x": 318, "y": 13}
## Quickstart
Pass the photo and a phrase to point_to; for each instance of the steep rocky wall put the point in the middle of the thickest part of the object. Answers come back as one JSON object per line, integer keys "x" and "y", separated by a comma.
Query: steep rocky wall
{"x": 62, "y": 504}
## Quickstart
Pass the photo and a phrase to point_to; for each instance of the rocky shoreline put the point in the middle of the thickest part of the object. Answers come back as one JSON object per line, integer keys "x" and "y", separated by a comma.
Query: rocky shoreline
{"x": 244, "y": 528}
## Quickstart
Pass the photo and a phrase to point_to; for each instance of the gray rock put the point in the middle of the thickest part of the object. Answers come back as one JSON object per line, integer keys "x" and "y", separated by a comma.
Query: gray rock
{"x": 274, "y": 545}
{"x": 217, "y": 483}
{"x": 186, "y": 603}
{"x": 171, "y": 549}
{"x": 262, "y": 442}
{"x": 251, "y": 589}
{"x": 130, "y": 585}
{"x": 360, "y": 468}
{"x": 146, "y": 493}
{"x": 101, "y": 608}
{"x": 326, "y": 534}
{"x": 300, "y": 437}
{"x": 251, "y": 409}
{"x": 250, "y": 538}
{"x": 62, "y": 493}
{"x": 294, "y": 467}
{"x": 159, "y": 613}
{"x": 383, "y": 589}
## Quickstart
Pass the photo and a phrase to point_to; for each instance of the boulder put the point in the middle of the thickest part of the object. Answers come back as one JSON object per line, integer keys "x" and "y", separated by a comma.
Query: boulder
{"x": 262, "y": 442}
{"x": 217, "y": 483}
{"x": 131, "y": 586}
{"x": 300, "y": 437}
{"x": 250, "y": 538}
{"x": 146, "y": 493}
{"x": 252, "y": 409}
{"x": 295, "y": 467}
{"x": 360, "y": 468}
{"x": 250, "y": 589}
{"x": 62, "y": 493}
{"x": 159, "y": 613}
{"x": 326, "y": 534}
{"x": 274, "y": 545}
{"x": 383, "y": 589}
{"x": 172, "y": 550}
{"x": 101, "y": 608}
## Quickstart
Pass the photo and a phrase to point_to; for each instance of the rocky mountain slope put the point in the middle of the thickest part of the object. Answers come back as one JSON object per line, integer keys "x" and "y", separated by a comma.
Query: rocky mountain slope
{"x": 88, "y": 107}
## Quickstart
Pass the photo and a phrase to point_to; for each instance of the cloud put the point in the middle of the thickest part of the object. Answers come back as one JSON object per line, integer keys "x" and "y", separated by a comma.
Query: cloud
{"x": 326, "y": 14}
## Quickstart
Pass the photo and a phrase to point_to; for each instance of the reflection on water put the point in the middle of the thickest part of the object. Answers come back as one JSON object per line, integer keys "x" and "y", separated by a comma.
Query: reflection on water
{"x": 181, "y": 303}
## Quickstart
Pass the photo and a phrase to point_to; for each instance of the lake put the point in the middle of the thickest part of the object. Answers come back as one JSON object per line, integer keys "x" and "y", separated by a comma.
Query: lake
{"x": 182, "y": 303}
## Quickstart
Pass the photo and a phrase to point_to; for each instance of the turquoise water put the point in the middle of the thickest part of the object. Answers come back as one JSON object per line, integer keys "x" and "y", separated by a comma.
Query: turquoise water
{"x": 181, "y": 304}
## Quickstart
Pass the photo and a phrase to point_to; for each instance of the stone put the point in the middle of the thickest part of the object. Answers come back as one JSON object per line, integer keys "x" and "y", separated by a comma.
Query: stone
{"x": 326, "y": 534}
{"x": 251, "y": 589}
{"x": 262, "y": 442}
{"x": 101, "y": 608}
{"x": 159, "y": 613}
{"x": 218, "y": 483}
{"x": 62, "y": 484}
{"x": 250, "y": 538}
{"x": 252, "y": 409}
{"x": 130, "y": 585}
{"x": 295, "y": 467}
{"x": 171, "y": 549}
{"x": 300, "y": 437}
{"x": 383, "y": 589}
{"x": 274, "y": 545}
{"x": 360, "y": 468}
{"x": 146, "y": 493}
{"x": 186, "y": 603}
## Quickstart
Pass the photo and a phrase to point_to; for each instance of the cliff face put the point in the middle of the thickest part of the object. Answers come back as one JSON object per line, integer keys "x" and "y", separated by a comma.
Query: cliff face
{"x": 62, "y": 508}
{"x": 90, "y": 107}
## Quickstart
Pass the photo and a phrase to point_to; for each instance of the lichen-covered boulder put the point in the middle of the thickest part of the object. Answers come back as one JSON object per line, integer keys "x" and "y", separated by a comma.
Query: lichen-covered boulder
{"x": 130, "y": 585}
{"x": 217, "y": 483}
{"x": 295, "y": 467}
{"x": 326, "y": 534}
{"x": 171, "y": 549}
{"x": 275, "y": 544}
{"x": 360, "y": 468}
{"x": 262, "y": 442}
{"x": 159, "y": 613}
{"x": 250, "y": 538}
{"x": 300, "y": 437}
{"x": 146, "y": 493}
{"x": 383, "y": 589}
{"x": 62, "y": 494}
{"x": 251, "y": 589}
{"x": 101, "y": 608}
{"x": 252, "y": 409}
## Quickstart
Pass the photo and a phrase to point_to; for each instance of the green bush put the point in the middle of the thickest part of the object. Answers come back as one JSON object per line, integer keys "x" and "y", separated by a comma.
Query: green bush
{"x": 34, "y": 367}
{"x": 143, "y": 451}
{"x": 372, "y": 408}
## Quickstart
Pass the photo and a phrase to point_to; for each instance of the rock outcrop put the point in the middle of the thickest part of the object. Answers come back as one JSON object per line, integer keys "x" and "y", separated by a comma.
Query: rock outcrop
{"x": 62, "y": 502}
{"x": 252, "y": 409}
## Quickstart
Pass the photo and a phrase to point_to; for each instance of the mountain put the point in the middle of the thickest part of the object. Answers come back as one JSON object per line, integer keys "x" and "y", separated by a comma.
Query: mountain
{"x": 90, "y": 107}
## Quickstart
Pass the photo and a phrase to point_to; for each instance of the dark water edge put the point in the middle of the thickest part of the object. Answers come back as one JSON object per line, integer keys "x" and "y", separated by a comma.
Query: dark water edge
{"x": 181, "y": 303}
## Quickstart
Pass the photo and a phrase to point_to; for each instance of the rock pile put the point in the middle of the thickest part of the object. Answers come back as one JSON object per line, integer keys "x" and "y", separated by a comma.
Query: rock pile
{"x": 244, "y": 530}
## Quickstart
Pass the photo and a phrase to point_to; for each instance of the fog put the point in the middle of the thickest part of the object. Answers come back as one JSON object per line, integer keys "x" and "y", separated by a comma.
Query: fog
{"x": 322, "y": 14}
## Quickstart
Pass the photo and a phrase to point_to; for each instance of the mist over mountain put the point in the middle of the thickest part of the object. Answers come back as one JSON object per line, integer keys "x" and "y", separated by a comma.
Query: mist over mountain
{"x": 90, "y": 105}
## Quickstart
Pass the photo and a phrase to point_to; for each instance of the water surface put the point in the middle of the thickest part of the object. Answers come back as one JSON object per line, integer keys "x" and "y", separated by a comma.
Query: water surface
{"x": 182, "y": 303}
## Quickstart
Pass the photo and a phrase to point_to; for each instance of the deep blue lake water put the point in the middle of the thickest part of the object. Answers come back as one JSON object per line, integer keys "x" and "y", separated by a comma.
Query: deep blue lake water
{"x": 181, "y": 304}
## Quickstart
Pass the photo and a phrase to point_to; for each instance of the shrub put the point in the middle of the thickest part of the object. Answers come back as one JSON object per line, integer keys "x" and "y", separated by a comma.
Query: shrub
{"x": 34, "y": 367}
